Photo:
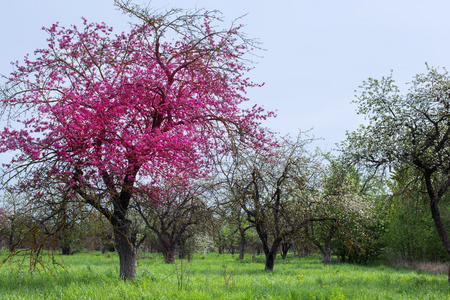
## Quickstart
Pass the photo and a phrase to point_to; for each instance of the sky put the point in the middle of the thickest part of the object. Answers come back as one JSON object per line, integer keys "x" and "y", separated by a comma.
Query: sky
{"x": 317, "y": 52}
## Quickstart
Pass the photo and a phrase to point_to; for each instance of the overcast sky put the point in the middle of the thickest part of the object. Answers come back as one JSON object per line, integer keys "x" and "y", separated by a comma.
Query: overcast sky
{"x": 318, "y": 52}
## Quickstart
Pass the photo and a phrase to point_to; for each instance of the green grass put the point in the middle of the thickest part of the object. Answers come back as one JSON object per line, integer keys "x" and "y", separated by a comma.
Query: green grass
{"x": 214, "y": 276}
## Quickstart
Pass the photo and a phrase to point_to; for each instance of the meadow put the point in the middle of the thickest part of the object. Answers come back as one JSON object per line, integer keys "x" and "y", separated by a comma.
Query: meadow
{"x": 212, "y": 276}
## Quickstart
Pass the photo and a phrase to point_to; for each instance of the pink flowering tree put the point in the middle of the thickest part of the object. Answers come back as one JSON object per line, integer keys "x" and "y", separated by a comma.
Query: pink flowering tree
{"x": 99, "y": 114}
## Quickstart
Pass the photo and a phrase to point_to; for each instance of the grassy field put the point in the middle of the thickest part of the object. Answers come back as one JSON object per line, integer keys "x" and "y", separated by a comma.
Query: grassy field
{"x": 214, "y": 276}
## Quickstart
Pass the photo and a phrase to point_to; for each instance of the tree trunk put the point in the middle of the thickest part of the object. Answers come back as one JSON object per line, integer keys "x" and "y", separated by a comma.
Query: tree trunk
{"x": 126, "y": 250}
{"x": 270, "y": 260}
{"x": 169, "y": 253}
{"x": 11, "y": 245}
{"x": 242, "y": 247}
{"x": 185, "y": 249}
{"x": 327, "y": 255}
{"x": 284, "y": 250}
{"x": 65, "y": 249}
{"x": 435, "y": 213}
{"x": 271, "y": 255}
{"x": 66, "y": 243}
{"x": 123, "y": 240}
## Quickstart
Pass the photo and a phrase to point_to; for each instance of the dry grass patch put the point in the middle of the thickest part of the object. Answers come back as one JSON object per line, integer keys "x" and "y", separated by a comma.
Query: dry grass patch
{"x": 425, "y": 266}
{"x": 433, "y": 267}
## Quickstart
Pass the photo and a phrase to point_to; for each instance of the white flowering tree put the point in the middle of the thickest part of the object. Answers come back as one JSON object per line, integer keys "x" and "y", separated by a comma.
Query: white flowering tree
{"x": 407, "y": 131}
{"x": 340, "y": 211}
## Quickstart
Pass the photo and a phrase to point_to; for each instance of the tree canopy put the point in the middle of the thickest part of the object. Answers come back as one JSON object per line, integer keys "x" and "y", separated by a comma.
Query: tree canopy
{"x": 97, "y": 113}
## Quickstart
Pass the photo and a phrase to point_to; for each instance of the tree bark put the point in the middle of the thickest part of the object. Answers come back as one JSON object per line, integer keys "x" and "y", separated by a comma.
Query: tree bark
{"x": 242, "y": 247}
{"x": 169, "y": 252}
{"x": 185, "y": 249}
{"x": 11, "y": 244}
{"x": 285, "y": 249}
{"x": 271, "y": 255}
{"x": 123, "y": 239}
{"x": 270, "y": 260}
{"x": 65, "y": 249}
{"x": 435, "y": 213}
{"x": 326, "y": 249}
{"x": 126, "y": 250}
{"x": 66, "y": 246}
{"x": 327, "y": 255}
{"x": 435, "y": 197}
{"x": 440, "y": 225}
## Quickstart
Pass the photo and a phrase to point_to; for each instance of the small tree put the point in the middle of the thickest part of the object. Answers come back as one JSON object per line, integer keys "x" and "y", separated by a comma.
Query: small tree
{"x": 235, "y": 218}
{"x": 225, "y": 235}
{"x": 17, "y": 222}
{"x": 171, "y": 211}
{"x": 273, "y": 190}
{"x": 286, "y": 244}
{"x": 341, "y": 210}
